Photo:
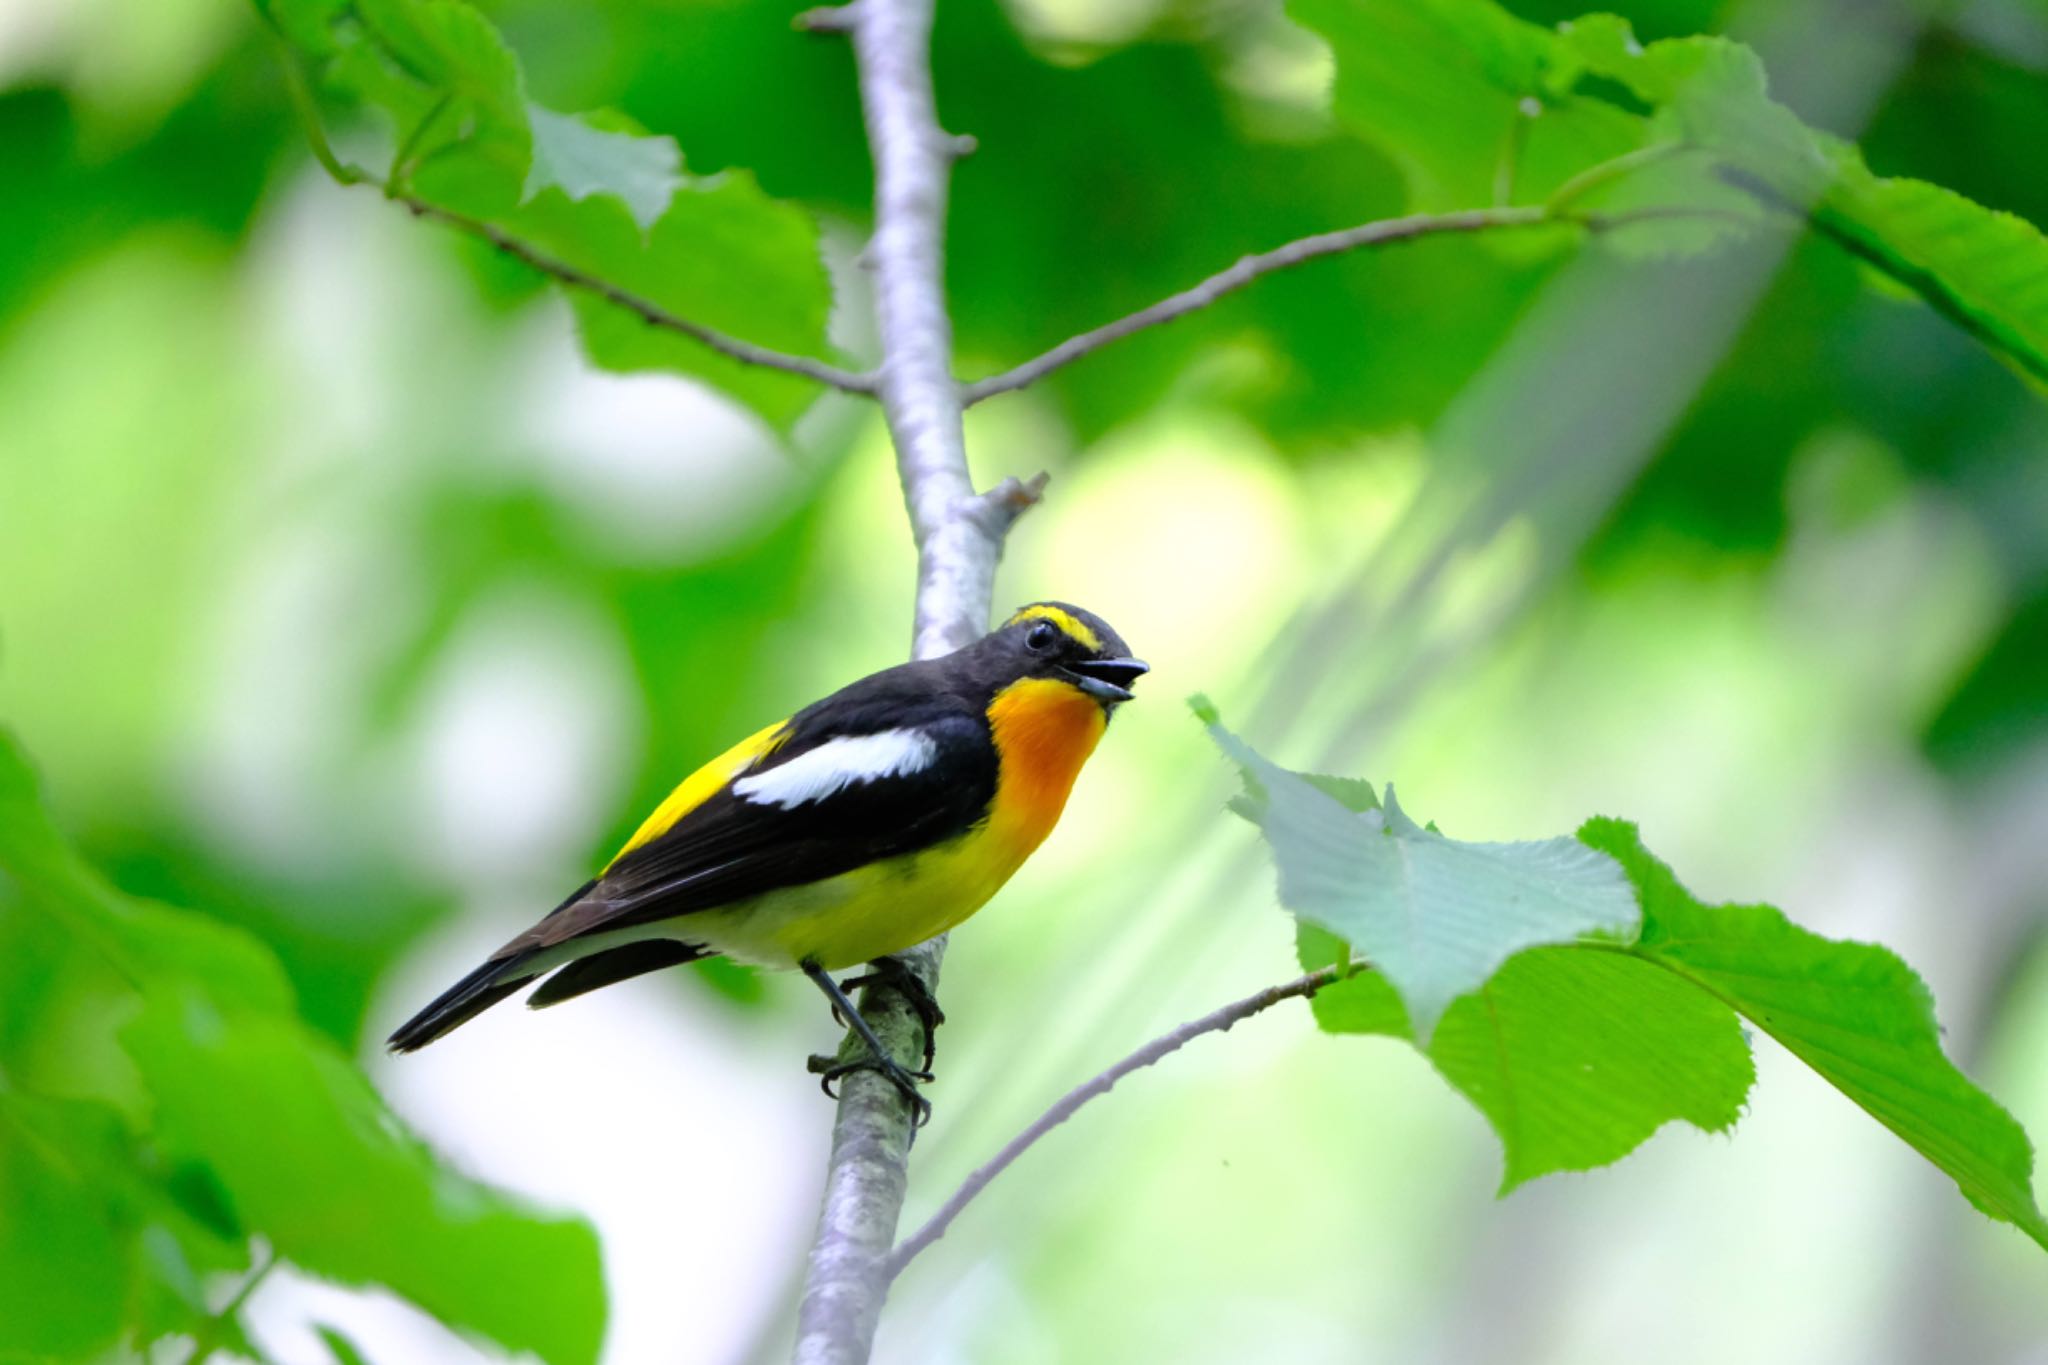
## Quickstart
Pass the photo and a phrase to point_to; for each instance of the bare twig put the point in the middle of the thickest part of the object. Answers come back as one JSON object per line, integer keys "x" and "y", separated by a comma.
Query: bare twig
{"x": 959, "y": 535}
{"x": 1248, "y": 269}
{"x": 1065, "y": 1108}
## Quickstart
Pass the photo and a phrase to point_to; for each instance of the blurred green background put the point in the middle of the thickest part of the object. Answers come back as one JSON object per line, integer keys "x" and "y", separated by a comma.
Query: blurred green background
{"x": 341, "y": 597}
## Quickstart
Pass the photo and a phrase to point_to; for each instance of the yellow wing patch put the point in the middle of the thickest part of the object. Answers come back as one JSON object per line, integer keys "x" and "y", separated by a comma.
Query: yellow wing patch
{"x": 700, "y": 786}
{"x": 1065, "y": 620}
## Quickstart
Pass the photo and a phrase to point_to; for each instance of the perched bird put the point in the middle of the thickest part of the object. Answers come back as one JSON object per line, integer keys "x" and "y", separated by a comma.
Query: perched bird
{"x": 863, "y": 825}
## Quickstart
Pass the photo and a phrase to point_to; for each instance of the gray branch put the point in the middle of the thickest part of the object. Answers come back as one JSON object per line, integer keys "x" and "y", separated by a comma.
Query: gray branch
{"x": 1248, "y": 269}
{"x": 649, "y": 312}
{"x": 959, "y": 535}
{"x": 1215, "y": 1021}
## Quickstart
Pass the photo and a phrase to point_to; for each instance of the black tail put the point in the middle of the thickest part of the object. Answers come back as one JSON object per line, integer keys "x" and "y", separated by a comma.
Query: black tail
{"x": 460, "y": 1003}
{"x": 613, "y": 964}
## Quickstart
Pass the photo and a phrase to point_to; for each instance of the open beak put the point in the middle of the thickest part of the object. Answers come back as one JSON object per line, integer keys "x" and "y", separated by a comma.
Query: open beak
{"x": 1108, "y": 680}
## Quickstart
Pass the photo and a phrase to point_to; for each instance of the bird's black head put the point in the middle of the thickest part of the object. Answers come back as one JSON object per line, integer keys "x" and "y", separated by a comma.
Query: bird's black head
{"x": 1055, "y": 640}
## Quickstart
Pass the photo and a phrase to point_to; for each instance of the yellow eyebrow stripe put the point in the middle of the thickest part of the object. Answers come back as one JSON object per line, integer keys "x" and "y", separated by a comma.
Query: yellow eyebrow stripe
{"x": 700, "y": 786}
{"x": 1065, "y": 620}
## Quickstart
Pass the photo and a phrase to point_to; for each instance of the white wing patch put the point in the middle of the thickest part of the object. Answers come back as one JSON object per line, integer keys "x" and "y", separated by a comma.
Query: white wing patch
{"x": 836, "y": 765}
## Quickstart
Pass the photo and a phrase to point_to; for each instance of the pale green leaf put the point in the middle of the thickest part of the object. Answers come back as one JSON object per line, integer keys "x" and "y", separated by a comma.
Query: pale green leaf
{"x": 1578, "y": 1051}
{"x": 590, "y": 192}
{"x": 1436, "y": 916}
{"x": 581, "y": 155}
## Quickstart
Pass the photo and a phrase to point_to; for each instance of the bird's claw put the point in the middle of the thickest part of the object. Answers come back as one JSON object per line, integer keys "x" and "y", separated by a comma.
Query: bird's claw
{"x": 830, "y": 1069}
{"x": 890, "y": 971}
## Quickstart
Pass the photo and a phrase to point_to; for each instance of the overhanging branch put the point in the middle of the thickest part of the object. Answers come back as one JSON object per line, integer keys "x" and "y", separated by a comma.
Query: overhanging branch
{"x": 1248, "y": 269}
{"x": 653, "y": 314}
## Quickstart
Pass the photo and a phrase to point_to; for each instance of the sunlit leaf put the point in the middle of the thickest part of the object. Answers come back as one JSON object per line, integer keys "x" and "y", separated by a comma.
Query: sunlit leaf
{"x": 1574, "y": 1056}
{"x": 1853, "y": 1012}
{"x": 258, "y": 1125}
{"x": 1435, "y": 916}
{"x": 581, "y": 157}
{"x": 591, "y": 192}
{"x": 1480, "y": 107}
{"x": 1577, "y": 1052}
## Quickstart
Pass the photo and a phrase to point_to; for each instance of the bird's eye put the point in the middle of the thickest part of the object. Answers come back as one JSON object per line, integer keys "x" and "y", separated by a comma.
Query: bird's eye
{"x": 1043, "y": 637}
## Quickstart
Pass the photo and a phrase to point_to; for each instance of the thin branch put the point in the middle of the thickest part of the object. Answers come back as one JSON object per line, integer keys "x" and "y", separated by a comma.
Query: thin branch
{"x": 1384, "y": 232}
{"x": 746, "y": 352}
{"x": 959, "y": 535}
{"x": 1216, "y": 1021}
{"x": 1248, "y": 269}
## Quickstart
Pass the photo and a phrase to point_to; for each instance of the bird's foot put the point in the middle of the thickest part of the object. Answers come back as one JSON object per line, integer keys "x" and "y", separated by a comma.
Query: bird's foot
{"x": 830, "y": 1069}
{"x": 878, "y": 1058}
{"x": 891, "y": 971}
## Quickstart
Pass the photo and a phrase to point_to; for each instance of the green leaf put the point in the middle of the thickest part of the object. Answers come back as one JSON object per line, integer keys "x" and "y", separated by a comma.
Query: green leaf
{"x": 1436, "y": 916}
{"x": 259, "y": 1125}
{"x": 1466, "y": 98}
{"x": 1853, "y": 1012}
{"x": 591, "y": 192}
{"x": 138, "y": 938}
{"x": 1984, "y": 270}
{"x": 590, "y": 154}
{"x": 67, "y": 1247}
{"x": 1478, "y": 107}
{"x": 725, "y": 255}
{"x": 359, "y": 1200}
{"x": 1577, "y": 1051}
{"x": 1575, "y": 1055}
{"x": 344, "y": 1351}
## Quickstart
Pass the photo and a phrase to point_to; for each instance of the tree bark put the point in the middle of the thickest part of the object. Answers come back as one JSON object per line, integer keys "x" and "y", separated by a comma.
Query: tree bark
{"x": 959, "y": 536}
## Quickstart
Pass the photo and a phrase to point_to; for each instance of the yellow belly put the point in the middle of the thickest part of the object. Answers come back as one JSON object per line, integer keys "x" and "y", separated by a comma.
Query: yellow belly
{"x": 860, "y": 915}
{"x": 1043, "y": 732}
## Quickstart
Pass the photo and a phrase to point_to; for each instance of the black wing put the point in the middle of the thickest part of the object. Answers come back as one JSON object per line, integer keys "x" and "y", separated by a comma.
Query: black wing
{"x": 730, "y": 848}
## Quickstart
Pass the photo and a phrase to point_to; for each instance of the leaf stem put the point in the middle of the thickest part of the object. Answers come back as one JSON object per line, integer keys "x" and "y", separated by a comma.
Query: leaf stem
{"x": 207, "y": 1338}
{"x": 1602, "y": 173}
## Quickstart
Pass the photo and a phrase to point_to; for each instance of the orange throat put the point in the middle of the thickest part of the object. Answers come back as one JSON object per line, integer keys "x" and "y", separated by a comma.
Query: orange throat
{"x": 1044, "y": 731}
